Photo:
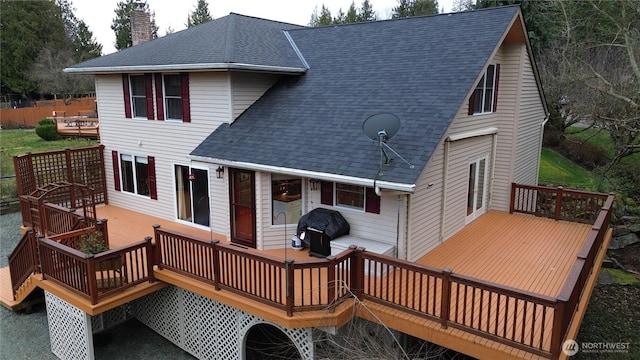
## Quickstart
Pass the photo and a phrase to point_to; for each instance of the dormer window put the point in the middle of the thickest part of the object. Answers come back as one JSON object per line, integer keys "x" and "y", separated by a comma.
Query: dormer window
{"x": 485, "y": 96}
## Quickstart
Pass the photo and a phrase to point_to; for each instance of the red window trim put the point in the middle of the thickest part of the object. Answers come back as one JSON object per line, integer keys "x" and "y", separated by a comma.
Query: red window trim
{"x": 372, "y": 201}
{"x": 326, "y": 193}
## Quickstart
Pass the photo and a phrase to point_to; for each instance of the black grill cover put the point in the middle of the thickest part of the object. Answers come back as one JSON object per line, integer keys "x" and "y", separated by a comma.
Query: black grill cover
{"x": 330, "y": 222}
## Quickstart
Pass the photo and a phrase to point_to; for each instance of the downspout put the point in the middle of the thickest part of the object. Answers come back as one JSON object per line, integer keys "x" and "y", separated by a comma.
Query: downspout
{"x": 445, "y": 173}
{"x": 544, "y": 122}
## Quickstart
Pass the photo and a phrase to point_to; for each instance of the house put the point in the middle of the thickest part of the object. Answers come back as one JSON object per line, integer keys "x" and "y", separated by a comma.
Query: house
{"x": 240, "y": 126}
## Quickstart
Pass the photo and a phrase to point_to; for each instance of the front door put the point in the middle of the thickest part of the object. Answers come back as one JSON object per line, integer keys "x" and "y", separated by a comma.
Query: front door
{"x": 476, "y": 193}
{"x": 243, "y": 207}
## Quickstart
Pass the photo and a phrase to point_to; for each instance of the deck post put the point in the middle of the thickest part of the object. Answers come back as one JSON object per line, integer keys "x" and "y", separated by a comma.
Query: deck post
{"x": 151, "y": 259}
{"x": 446, "y": 297}
{"x": 92, "y": 281}
{"x": 70, "y": 167}
{"x": 558, "y": 328}
{"x": 216, "y": 264}
{"x": 288, "y": 266}
{"x": 513, "y": 198}
{"x": 357, "y": 272}
{"x": 101, "y": 225}
{"x": 559, "y": 202}
{"x": 36, "y": 255}
{"x": 331, "y": 280}
{"x": 157, "y": 255}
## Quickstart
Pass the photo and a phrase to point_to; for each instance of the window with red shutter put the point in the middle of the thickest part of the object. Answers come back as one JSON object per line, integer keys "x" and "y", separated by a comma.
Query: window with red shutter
{"x": 116, "y": 170}
{"x": 127, "y": 96}
{"x": 372, "y": 203}
{"x": 326, "y": 193}
{"x": 148, "y": 93}
{"x": 159, "y": 96}
{"x": 153, "y": 190}
{"x": 184, "y": 94}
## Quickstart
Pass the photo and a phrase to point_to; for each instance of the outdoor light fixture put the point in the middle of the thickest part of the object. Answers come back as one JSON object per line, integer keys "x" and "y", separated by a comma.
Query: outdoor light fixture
{"x": 192, "y": 177}
{"x": 219, "y": 172}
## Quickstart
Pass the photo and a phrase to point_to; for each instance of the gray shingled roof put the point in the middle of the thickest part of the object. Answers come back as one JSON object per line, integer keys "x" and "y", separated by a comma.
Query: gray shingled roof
{"x": 233, "y": 39}
{"x": 420, "y": 69}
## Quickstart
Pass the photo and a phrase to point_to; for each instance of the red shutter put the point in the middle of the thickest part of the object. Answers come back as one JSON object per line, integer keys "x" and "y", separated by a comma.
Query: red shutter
{"x": 116, "y": 169}
{"x": 153, "y": 190}
{"x": 326, "y": 193}
{"x": 127, "y": 96}
{"x": 184, "y": 93}
{"x": 159, "y": 97}
{"x": 148, "y": 93}
{"x": 495, "y": 91}
{"x": 372, "y": 204}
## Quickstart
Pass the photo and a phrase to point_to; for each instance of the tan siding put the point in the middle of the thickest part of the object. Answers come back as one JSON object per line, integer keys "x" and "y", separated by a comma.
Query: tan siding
{"x": 169, "y": 142}
{"x": 247, "y": 88}
{"x": 529, "y": 127}
{"x": 424, "y": 209}
{"x": 426, "y": 202}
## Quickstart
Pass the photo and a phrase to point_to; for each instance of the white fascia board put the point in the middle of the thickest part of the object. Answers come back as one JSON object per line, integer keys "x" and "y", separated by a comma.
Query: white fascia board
{"x": 386, "y": 185}
{"x": 186, "y": 67}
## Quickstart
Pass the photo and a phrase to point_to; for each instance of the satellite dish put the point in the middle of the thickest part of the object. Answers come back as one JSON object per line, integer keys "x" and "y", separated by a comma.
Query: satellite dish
{"x": 381, "y": 126}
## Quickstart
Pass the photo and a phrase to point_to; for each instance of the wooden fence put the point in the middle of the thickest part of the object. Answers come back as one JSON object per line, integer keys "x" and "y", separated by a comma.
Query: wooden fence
{"x": 29, "y": 116}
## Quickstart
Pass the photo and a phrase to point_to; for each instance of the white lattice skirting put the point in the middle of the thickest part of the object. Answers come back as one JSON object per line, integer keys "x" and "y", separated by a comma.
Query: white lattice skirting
{"x": 206, "y": 328}
{"x": 69, "y": 329}
{"x": 203, "y": 327}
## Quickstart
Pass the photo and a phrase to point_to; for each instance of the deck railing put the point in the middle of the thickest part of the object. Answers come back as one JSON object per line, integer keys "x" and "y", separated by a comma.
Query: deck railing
{"x": 23, "y": 260}
{"x": 60, "y": 220}
{"x": 99, "y": 276}
{"x": 556, "y": 203}
{"x": 284, "y": 284}
{"x": 510, "y": 316}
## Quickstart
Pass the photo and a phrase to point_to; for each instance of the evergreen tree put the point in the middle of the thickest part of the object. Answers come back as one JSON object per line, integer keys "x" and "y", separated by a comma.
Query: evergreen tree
{"x": 27, "y": 26}
{"x": 352, "y": 14}
{"x": 366, "y": 12}
{"x": 121, "y": 24}
{"x": 322, "y": 19}
{"x": 200, "y": 14}
{"x": 81, "y": 38}
{"x": 340, "y": 17}
{"x": 415, "y": 8}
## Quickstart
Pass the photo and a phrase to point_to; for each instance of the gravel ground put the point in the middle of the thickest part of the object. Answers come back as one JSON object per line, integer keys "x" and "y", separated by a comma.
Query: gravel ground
{"x": 26, "y": 335}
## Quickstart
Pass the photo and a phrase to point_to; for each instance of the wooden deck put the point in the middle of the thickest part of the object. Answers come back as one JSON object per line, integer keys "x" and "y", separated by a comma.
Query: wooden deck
{"x": 524, "y": 252}
{"x": 518, "y": 251}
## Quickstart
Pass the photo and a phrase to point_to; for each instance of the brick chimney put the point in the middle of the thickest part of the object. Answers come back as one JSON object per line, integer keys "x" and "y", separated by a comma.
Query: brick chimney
{"x": 140, "y": 24}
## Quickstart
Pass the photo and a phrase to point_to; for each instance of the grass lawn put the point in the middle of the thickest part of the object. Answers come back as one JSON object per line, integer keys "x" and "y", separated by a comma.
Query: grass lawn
{"x": 21, "y": 141}
{"x": 600, "y": 138}
{"x": 555, "y": 169}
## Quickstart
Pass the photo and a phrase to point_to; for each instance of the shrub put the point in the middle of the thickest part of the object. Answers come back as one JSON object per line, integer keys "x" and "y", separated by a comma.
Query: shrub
{"x": 92, "y": 243}
{"x": 48, "y": 132}
{"x": 587, "y": 155}
{"x": 46, "y": 121}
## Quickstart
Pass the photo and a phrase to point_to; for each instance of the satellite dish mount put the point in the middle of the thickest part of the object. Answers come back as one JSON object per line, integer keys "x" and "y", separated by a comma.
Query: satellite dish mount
{"x": 382, "y": 127}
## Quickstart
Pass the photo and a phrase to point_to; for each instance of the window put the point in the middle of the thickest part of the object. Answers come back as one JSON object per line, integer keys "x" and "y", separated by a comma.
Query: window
{"x": 192, "y": 194}
{"x": 350, "y": 195}
{"x": 286, "y": 199}
{"x": 353, "y": 196}
{"x": 483, "y": 99}
{"x": 172, "y": 97}
{"x": 135, "y": 174}
{"x": 138, "y": 96}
